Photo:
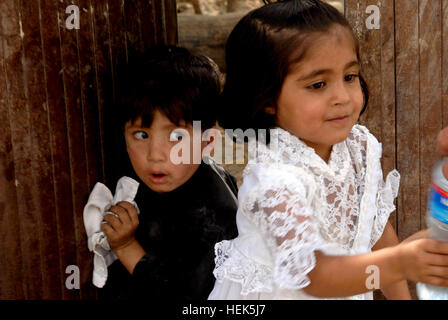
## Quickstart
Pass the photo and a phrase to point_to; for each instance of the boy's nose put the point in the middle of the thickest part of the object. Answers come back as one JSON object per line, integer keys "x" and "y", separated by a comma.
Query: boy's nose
{"x": 156, "y": 150}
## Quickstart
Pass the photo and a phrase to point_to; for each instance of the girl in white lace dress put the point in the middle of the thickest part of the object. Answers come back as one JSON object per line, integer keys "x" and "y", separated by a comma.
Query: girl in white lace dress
{"x": 313, "y": 207}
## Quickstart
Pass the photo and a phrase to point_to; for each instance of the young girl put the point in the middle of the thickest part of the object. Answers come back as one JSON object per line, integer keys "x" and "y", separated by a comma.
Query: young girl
{"x": 313, "y": 212}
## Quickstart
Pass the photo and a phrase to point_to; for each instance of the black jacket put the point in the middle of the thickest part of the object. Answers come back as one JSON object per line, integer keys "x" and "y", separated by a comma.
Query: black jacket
{"x": 178, "y": 231}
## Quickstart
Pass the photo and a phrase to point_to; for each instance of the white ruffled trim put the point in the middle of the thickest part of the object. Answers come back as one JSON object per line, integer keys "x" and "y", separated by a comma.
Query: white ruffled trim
{"x": 385, "y": 204}
{"x": 368, "y": 201}
{"x": 286, "y": 148}
{"x": 231, "y": 264}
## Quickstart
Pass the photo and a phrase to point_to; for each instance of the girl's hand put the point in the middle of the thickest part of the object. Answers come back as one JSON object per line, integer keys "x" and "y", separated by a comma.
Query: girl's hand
{"x": 121, "y": 225}
{"x": 422, "y": 234}
{"x": 442, "y": 145}
{"x": 424, "y": 260}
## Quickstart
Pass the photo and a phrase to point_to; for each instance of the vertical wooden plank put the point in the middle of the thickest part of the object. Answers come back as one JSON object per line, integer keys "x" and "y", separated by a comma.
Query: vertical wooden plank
{"x": 11, "y": 277}
{"x": 105, "y": 83}
{"x": 92, "y": 138}
{"x": 147, "y": 24}
{"x": 408, "y": 124}
{"x": 430, "y": 93}
{"x": 157, "y": 13}
{"x": 59, "y": 144}
{"x": 388, "y": 123}
{"x": 444, "y": 39}
{"x": 40, "y": 166}
{"x": 171, "y": 22}
{"x": 378, "y": 64}
{"x": 75, "y": 130}
{"x": 370, "y": 52}
{"x": 19, "y": 111}
{"x": 132, "y": 11}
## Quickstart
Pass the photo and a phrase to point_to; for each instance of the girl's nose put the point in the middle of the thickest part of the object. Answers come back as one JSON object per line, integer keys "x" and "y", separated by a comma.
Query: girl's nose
{"x": 341, "y": 94}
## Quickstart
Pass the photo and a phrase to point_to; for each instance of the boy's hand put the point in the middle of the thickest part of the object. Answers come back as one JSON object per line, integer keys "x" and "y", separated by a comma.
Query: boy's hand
{"x": 121, "y": 225}
{"x": 424, "y": 260}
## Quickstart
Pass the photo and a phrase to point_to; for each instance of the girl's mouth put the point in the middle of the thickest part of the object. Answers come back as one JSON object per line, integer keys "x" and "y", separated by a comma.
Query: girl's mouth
{"x": 342, "y": 120}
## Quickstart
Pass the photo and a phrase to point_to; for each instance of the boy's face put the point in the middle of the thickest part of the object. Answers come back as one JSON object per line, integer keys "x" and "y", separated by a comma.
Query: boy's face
{"x": 149, "y": 150}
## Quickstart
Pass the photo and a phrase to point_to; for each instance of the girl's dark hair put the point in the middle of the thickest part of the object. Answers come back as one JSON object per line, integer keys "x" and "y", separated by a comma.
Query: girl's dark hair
{"x": 261, "y": 49}
{"x": 179, "y": 83}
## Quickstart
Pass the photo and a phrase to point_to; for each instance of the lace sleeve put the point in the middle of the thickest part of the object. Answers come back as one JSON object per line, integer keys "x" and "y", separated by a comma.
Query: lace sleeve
{"x": 387, "y": 192}
{"x": 281, "y": 207}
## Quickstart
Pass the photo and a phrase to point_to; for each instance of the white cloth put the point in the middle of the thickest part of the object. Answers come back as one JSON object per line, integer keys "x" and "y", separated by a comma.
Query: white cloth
{"x": 292, "y": 203}
{"x": 100, "y": 200}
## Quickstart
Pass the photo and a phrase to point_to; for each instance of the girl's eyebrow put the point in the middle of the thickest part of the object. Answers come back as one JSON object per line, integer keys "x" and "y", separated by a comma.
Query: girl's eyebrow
{"x": 319, "y": 72}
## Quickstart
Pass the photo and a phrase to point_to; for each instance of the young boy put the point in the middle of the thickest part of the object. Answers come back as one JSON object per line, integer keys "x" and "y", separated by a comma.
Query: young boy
{"x": 167, "y": 250}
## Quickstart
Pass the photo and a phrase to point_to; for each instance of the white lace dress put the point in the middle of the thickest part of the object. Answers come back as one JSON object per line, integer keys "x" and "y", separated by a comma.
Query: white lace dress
{"x": 293, "y": 203}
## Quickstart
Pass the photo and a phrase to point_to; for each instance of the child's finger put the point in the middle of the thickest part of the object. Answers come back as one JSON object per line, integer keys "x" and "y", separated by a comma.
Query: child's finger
{"x": 442, "y": 141}
{"x": 440, "y": 260}
{"x": 438, "y": 271}
{"x": 434, "y": 246}
{"x": 436, "y": 281}
{"x": 107, "y": 228}
{"x": 418, "y": 235}
{"x": 131, "y": 210}
{"x": 123, "y": 214}
{"x": 113, "y": 218}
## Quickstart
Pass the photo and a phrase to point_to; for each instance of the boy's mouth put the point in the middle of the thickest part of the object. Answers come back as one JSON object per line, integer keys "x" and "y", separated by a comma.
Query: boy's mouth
{"x": 157, "y": 177}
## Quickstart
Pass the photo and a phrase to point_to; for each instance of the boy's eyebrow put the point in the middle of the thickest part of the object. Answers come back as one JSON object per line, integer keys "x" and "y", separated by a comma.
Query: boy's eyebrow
{"x": 165, "y": 126}
{"x": 319, "y": 72}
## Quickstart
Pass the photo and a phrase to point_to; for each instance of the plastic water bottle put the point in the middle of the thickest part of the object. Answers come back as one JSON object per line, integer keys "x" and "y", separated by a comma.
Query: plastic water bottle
{"x": 437, "y": 222}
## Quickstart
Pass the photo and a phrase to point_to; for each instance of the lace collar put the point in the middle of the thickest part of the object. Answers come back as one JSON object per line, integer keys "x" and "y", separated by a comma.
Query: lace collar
{"x": 286, "y": 148}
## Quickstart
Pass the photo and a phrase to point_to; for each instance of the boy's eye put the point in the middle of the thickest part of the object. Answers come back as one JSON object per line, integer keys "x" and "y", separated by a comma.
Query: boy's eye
{"x": 351, "y": 77}
{"x": 176, "y": 135}
{"x": 317, "y": 85}
{"x": 140, "y": 135}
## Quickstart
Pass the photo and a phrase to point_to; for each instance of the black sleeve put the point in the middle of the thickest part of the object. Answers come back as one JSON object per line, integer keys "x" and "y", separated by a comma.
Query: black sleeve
{"x": 149, "y": 280}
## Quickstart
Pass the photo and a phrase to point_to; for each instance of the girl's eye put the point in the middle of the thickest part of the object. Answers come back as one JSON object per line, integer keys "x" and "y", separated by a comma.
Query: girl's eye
{"x": 140, "y": 135}
{"x": 317, "y": 85}
{"x": 351, "y": 77}
{"x": 176, "y": 136}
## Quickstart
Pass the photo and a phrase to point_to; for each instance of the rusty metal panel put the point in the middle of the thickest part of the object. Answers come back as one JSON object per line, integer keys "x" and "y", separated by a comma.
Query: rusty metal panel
{"x": 55, "y": 85}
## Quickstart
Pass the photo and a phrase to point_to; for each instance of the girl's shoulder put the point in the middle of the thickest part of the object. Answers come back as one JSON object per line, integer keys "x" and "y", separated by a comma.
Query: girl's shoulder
{"x": 362, "y": 140}
{"x": 364, "y": 148}
{"x": 359, "y": 133}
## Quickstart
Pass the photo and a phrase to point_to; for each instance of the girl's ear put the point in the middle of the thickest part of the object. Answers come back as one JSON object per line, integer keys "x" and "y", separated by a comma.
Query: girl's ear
{"x": 270, "y": 110}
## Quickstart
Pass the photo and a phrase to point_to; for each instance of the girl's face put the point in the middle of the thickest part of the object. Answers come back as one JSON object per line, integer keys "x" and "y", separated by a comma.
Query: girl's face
{"x": 321, "y": 97}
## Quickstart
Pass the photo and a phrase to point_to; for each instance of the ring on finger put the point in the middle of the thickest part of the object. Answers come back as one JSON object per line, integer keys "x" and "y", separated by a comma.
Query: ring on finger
{"x": 112, "y": 213}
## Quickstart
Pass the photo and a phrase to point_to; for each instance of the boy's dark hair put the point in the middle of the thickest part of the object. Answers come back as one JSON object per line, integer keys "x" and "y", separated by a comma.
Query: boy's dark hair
{"x": 261, "y": 49}
{"x": 181, "y": 84}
